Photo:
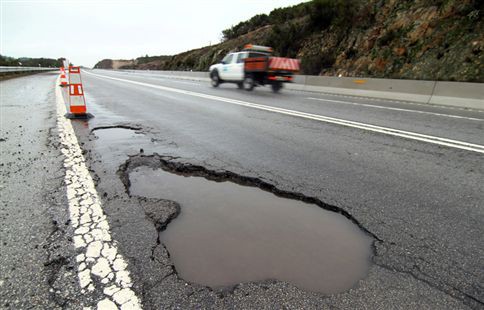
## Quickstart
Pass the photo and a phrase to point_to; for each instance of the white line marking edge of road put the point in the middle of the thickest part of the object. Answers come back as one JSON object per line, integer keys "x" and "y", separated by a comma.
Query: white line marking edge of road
{"x": 98, "y": 253}
{"x": 396, "y": 109}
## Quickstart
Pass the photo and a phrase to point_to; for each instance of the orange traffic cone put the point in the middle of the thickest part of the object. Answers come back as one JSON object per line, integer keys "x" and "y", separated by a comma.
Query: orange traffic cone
{"x": 77, "y": 103}
{"x": 63, "y": 78}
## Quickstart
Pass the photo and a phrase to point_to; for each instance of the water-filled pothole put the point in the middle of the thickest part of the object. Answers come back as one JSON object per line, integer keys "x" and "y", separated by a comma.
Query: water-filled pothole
{"x": 117, "y": 134}
{"x": 229, "y": 233}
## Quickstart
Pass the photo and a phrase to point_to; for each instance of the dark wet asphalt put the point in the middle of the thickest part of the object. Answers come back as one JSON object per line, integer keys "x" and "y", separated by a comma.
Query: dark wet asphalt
{"x": 424, "y": 203}
{"x": 446, "y": 122}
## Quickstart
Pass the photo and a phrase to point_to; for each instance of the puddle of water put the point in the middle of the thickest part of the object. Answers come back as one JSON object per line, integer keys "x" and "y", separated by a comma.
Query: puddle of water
{"x": 228, "y": 234}
{"x": 115, "y": 134}
{"x": 113, "y": 144}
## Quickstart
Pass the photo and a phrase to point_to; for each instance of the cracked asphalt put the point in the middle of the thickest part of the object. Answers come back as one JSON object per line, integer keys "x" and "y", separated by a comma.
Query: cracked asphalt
{"x": 35, "y": 269}
{"x": 422, "y": 203}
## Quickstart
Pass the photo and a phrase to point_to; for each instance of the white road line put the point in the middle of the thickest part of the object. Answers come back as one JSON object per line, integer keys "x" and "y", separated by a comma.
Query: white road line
{"x": 396, "y": 101}
{"x": 396, "y": 109}
{"x": 368, "y": 127}
{"x": 98, "y": 256}
{"x": 174, "y": 79}
{"x": 156, "y": 76}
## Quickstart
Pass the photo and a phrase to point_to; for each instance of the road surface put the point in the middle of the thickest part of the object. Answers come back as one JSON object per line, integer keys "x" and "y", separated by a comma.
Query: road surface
{"x": 409, "y": 175}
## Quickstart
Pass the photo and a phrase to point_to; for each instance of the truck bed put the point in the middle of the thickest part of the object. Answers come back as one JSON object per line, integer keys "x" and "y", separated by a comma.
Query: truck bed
{"x": 269, "y": 63}
{"x": 283, "y": 64}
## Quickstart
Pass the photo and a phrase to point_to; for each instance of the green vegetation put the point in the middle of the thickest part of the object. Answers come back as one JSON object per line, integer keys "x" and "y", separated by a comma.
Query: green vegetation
{"x": 276, "y": 17}
{"x": 30, "y": 62}
{"x": 147, "y": 59}
{"x": 245, "y": 27}
{"x": 319, "y": 14}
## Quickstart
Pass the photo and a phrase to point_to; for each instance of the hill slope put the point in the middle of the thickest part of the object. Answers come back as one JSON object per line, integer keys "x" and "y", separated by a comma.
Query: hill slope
{"x": 422, "y": 39}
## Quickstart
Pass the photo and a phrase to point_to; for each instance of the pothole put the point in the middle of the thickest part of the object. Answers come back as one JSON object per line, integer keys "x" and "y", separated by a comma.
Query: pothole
{"x": 116, "y": 133}
{"x": 228, "y": 233}
{"x": 113, "y": 143}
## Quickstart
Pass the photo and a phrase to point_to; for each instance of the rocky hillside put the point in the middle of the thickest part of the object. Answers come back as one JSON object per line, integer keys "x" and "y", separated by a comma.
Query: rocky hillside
{"x": 142, "y": 63}
{"x": 419, "y": 39}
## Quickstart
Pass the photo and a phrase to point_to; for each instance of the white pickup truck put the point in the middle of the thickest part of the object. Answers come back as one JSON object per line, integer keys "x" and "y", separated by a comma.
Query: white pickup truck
{"x": 254, "y": 66}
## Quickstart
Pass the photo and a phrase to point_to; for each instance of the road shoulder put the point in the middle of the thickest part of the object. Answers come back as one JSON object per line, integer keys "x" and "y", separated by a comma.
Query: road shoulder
{"x": 36, "y": 261}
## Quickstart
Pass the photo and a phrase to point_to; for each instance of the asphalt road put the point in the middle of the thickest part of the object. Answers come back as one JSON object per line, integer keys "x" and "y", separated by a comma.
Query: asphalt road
{"x": 421, "y": 201}
{"x": 35, "y": 270}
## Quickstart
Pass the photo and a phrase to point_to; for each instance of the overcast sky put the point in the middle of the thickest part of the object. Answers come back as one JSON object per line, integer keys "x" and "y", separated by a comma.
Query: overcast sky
{"x": 88, "y": 31}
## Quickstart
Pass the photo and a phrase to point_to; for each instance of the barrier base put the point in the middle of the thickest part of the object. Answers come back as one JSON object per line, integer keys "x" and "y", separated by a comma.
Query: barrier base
{"x": 78, "y": 116}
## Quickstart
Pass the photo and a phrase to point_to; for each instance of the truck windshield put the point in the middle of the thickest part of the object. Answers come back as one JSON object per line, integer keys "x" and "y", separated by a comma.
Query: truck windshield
{"x": 254, "y": 54}
{"x": 241, "y": 57}
{"x": 227, "y": 59}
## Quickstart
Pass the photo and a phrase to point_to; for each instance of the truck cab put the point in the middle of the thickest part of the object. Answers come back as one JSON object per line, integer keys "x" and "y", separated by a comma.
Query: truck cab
{"x": 231, "y": 68}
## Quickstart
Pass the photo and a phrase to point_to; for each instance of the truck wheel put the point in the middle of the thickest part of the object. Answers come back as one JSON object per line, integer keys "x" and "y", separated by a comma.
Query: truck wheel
{"x": 214, "y": 78}
{"x": 248, "y": 83}
{"x": 240, "y": 85}
{"x": 276, "y": 87}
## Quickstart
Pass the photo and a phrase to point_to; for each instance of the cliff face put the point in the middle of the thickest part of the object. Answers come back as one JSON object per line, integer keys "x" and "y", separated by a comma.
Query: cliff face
{"x": 420, "y": 39}
{"x": 405, "y": 39}
{"x": 142, "y": 63}
{"x": 105, "y": 64}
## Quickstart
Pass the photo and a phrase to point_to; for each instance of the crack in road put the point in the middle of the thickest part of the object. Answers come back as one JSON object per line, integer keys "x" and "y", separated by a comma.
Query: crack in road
{"x": 129, "y": 127}
{"x": 447, "y": 289}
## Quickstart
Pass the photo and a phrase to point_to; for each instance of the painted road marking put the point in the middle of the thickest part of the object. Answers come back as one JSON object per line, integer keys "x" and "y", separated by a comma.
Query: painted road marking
{"x": 98, "y": 257}
{"x": 396, "y": 109}
{"x": 172, "y": 78}
{"x": 368, "y": 127}
{"x": 390, "y": 100}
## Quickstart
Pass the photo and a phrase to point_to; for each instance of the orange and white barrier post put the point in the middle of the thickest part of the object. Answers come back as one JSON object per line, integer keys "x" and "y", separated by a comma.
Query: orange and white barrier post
{"x": 63, "y": 78}
{"x": 77, "y": 103}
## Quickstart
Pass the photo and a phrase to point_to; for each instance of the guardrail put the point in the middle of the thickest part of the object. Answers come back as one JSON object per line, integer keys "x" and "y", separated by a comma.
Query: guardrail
{"x": 458, "y": 94}
{"x": 7, "y": 69}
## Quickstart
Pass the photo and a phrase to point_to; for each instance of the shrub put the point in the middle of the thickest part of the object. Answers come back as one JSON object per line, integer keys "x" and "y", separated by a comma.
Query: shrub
{"x": 246, "y": 26}
{"x": 323, "y": 13}
{"x": 313, "y": 64}
{"x": 286, "y": 39}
